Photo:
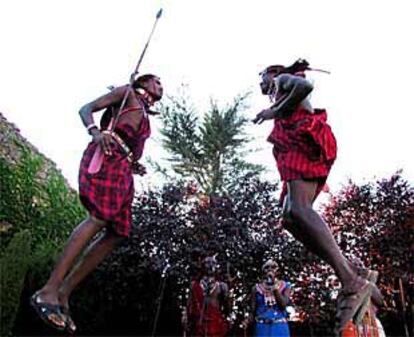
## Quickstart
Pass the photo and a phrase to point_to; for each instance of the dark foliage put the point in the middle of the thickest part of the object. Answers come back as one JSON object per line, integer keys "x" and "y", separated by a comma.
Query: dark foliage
{"x": 177, "y": 225}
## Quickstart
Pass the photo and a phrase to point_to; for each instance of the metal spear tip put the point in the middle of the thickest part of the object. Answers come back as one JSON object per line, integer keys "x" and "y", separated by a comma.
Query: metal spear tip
{"x": 320, "y": 70}
{"x": 159, "y": 13}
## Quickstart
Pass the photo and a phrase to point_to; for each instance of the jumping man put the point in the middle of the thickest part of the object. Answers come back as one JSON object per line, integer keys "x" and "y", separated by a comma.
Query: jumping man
{"x": 305, "y": 149}
{"x": 105, "y": 191}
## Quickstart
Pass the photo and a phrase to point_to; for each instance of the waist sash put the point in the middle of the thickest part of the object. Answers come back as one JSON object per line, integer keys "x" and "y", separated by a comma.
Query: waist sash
{"x": 121, "y": 143}
{"x": 270, "y": 320}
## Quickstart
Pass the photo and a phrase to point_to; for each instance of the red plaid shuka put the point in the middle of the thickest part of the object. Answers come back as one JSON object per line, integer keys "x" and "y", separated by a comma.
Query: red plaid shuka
{"x": 304, "y": 147}
{"x": 108, "y": 194}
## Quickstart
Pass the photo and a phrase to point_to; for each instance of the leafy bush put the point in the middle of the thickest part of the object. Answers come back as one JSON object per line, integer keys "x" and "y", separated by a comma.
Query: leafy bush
{"x": 177, "y": 224}
{"x": 45, "y": 206}
{"x": 35, "y": 200}
{"x": 173, "y": 224}
{"x": 13, "y": 267}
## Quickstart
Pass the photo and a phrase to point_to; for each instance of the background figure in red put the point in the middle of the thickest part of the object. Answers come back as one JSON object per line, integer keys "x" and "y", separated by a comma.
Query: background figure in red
{"x": 106, "y": 194}
{"x": 208, "y": 304}
{"x": 305, "y": 149}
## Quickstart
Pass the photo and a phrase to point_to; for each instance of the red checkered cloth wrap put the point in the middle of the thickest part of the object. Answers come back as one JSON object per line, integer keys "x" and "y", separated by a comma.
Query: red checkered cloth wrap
{"x": 108, "y": 194}
{"x": 212, "y": 324}
{"x": 304, "y": 147}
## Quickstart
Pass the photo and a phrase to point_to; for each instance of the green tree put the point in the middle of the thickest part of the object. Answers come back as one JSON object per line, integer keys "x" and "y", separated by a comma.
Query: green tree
{"x": 209, "y": 150}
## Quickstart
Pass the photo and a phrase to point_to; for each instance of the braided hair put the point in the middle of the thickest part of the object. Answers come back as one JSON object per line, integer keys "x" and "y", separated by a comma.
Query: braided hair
{"x": 298, "y": 66}
{"x": 142, "y": 79}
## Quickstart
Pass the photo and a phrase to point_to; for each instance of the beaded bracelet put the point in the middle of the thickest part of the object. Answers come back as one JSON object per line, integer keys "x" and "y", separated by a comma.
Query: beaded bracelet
{"x": 90, "y": 127}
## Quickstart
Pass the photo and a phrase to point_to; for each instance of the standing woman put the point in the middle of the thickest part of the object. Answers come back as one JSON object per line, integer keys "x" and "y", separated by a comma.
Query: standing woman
{"x": 269, "y": 300}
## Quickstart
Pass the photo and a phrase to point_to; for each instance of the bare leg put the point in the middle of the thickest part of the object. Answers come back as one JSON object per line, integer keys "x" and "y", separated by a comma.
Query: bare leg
{"x": 312, "y": 231}
{"x": 80, "y": 236}
{"x": 94, "y": 254}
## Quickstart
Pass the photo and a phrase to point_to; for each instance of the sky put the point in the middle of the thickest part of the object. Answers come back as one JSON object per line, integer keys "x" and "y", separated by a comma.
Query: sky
{"x": 58, "y": 55}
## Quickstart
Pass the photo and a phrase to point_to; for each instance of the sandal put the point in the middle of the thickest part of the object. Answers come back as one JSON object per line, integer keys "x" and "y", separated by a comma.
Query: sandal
{"x": 70, "y": 324}
{"x": 49, "y": 313}
{"x": 371, "y": 276}
{"x": 348, "y": 303}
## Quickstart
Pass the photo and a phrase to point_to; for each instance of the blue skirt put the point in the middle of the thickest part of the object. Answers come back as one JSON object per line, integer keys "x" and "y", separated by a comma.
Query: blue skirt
{"x": 272, "y": 330}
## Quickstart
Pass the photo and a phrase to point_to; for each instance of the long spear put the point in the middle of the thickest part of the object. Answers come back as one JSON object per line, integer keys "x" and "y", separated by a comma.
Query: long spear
{"x": 132, "y": 77}
{"x": 160, "y": 297}
{"x": 402, "y": 298}
{"x": 97, "y": 159}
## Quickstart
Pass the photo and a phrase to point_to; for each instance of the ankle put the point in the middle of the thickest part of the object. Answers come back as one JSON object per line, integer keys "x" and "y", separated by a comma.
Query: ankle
{"x": 354, "y": 284}
{"x": 347, "y": 275}
{"x": 360, "y": 271}
{"x": 64, "y": 295}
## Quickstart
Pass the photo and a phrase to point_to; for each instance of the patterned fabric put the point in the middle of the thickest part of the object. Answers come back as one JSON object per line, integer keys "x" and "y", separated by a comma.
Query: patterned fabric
{"x": 205, "y": 320}
{"x": 304, "y": 147}
{"x": 108, "y": 194}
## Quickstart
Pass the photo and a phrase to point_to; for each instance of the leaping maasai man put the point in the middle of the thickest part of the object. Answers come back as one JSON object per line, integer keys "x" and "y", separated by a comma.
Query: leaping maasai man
{"x": 305, "y": 149}
{"x": 106, "y": 190}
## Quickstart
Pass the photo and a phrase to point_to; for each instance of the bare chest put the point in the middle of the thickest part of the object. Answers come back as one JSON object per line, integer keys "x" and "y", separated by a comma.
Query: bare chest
{"x": 132, "y": 112}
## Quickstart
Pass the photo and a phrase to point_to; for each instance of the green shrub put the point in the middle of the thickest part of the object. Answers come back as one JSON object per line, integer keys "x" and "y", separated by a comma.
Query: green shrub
{"x": 34, "y": 200}
{"x": 44, "y": 205}
{"x": 13, "y": 266}
{"x": 42, "y": 260}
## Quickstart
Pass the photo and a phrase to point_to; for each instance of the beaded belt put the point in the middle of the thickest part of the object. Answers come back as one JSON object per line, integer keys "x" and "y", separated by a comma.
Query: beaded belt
{"x": 121, "y": 143}
{"x": 270, "y": 321}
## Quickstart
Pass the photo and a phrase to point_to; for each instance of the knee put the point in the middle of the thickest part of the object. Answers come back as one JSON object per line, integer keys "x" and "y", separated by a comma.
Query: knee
{"x": 114, "y": 238}
{"x": 97, "y": 223}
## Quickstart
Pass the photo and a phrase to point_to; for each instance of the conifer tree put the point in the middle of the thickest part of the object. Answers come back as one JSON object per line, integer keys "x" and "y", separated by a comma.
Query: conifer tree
{"x": 210, "y": 150}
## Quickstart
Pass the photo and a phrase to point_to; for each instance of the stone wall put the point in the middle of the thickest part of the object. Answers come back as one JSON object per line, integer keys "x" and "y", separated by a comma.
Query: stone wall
{"x": 12, "y": 143}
